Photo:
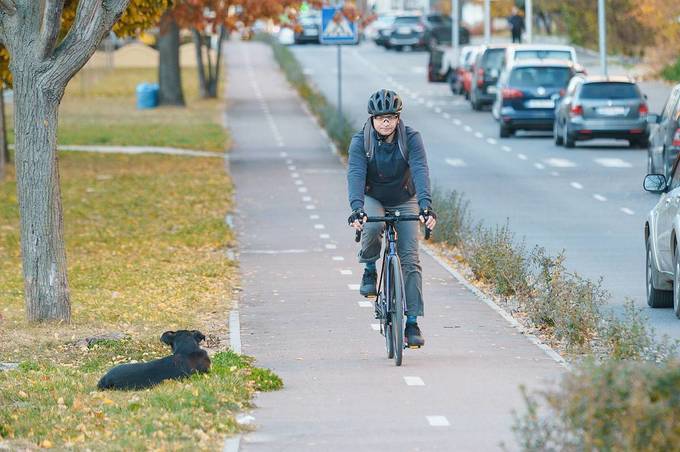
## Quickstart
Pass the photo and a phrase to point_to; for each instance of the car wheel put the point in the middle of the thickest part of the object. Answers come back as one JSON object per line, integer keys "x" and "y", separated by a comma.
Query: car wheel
{"x": 655, "y": 298}
{"x": 556, "y": 134}
{"x": 567, "y": 138}
{"x": 676, "y": 281}
{"x": 505, "y": 131}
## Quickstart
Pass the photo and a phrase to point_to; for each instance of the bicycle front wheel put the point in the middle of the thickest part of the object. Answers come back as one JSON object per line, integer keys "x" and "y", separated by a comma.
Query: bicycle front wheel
{"x": 397, "y": 303}
{"x": 387, "y": 328}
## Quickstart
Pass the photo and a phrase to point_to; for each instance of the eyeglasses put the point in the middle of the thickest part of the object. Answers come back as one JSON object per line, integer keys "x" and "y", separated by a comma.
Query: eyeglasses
{"x": 386, "y": 118}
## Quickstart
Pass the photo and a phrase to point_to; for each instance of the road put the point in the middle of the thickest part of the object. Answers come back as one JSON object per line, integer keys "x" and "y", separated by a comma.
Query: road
{"x": 588, "y": 201}
{"x": 301, "y": 315}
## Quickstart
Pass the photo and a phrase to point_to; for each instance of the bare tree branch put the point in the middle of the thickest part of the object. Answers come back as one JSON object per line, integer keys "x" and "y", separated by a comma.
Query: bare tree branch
{"x": 49, "y": 30}
{"x": 94, "y": 18}
{"x": 8, "y": 7}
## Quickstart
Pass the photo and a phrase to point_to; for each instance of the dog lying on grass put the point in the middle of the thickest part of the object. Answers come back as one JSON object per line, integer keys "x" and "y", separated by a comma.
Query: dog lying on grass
{"x": 187, "y": 358}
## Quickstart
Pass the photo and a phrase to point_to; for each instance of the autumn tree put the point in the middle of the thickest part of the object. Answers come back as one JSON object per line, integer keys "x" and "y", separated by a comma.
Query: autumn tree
{"x": 48, "y": 42}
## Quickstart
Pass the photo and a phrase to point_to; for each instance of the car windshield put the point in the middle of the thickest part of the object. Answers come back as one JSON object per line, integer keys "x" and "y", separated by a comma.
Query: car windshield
{"x": 609, "y": 90}
{"x": 493, "y": 58}
{"x": 385, "y": 20}
{"x": 407, "y": 20}
{"x": 540, "y": 76}
{"x": 564, "y": 55}
{"x": 439, "y": 20}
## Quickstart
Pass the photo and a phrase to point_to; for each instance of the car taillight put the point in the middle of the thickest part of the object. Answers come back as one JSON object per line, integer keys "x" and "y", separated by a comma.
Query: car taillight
{"x": 576, "y": 110}
{"x": 419, "y": 28}
{"x": 676, "y": 137}
{"x": 480, "y": 77}
{"x": 643, "y": 110}
{"x": 511, "y": 93}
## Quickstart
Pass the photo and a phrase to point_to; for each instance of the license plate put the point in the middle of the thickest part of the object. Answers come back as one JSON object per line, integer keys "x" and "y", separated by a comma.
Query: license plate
{"x": 540, "y": 103}
{"x": 611, "y": 111}
{"x": 491, "y": 89}
{"x": 404, "y": 30}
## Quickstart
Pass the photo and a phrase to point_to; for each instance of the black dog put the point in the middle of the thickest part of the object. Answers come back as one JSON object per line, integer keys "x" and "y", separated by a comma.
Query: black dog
{"x": 187, "y": 358}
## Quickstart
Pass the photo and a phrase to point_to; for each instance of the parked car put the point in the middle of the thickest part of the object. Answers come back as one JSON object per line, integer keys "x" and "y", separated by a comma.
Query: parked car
{"x": 664, "y": 140}
{"x": 602, "y": 107}
{"x": 407, "y": 31}
{"x": 457, "y": 73}
{"x": 660, "y": 232}
{"x": 467, "y": 70}
{"x": 444, "y": 66}
{"x": 309, "y": 29}
{"x": 381, "y": 29}
{"x": 438, "y": 30}
{"x": 490, "y": 61}
{"x": 527, "y": 94}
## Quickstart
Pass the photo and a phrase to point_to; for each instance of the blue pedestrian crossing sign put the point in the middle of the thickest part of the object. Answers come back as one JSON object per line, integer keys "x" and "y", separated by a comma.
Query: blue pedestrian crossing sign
{"x": 336, "y": 28}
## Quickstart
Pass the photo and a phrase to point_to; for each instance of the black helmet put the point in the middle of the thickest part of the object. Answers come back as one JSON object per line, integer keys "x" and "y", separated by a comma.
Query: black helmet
{"x": 384, "y": 102}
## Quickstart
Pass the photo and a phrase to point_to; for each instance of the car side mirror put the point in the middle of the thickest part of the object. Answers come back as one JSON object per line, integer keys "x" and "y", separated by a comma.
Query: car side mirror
{"x": 655, "y": 183}
{"x": 653, "y": 118}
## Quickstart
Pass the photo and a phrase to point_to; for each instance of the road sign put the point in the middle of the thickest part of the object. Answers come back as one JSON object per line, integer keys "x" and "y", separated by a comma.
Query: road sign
{"x": 336, "y": 28}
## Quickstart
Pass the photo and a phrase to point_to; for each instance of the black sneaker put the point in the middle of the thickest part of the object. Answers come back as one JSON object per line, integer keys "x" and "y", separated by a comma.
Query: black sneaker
{"x": 414, "y": 338}
{"x": 368, "y": 284}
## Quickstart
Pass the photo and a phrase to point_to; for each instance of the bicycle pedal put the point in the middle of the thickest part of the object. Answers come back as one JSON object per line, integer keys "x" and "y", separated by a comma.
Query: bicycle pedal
{"x": 412, "y": 347}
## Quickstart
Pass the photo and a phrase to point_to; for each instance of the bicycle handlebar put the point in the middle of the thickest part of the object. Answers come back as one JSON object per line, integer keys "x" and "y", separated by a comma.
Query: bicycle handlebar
{"x": 392, "y": 219}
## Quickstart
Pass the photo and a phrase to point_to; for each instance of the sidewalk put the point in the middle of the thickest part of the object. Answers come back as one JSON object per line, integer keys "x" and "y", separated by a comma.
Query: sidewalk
{"x": 301, "y": 314}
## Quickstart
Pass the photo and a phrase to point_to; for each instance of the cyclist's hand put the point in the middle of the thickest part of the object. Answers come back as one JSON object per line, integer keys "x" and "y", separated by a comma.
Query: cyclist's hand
{"x": 357, "y": 219}
{"x": 428, "y": 217}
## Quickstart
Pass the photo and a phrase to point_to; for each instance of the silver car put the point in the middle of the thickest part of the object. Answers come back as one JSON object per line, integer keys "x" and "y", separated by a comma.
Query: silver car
{"x": 602, "y": 107}
{"x": 661, "y": 239}
{"x": 664, "y": 139}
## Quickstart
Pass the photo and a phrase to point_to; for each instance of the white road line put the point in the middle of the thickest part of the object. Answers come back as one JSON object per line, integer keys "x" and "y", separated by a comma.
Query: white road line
{"x": 539, "y": 166}
{"x": 491, "y": 141}
{"x": 506, "y": 148}
{"x": 599, "y": 197}
{"x": 283, "y": 154}
{"x": 324, "y": 236}
{"x": 338, "y": 258}
{"x": 554, "y": 173}
{"x": 479, "y": 135}
{"x": 310, "y": 207}
{"x": 437, "y": 110}
{"x": 331, "y": 246}
{"x": 319, "y": 226}
{"x": 375, "y": 326}
{"x": 438, "y": 421}
{"x": 522, "y": 157}
{"x": 298, "y": 182}
{"x": 457, "y": 121}
{"x": 455, "y": 163}
{"x": 364, "y": 304}
{"x": 346, "y": 272}
{"x": 421, "y": 100}
{"x": 446, "y": 115}
{"x": 429, "y": 104}
{"x": 559, "y": 163}
{"x": 613, "y": 163}
{"x": 306, "y": 198}
{"x": 353, "y": 286}
{"x": 291, "y": 167}
{"x": 414, "y": 381}
{"x": 302, "y": 189}
{"x": 289, "y": 162}
{"x": 467, "y": 128}
{"x": 576, "y": 185}
{"x": 314, "y": 217}
{"x": 294, "y": 175}
{"x": 413, "y": 96}
{"x": 627, "y": 211}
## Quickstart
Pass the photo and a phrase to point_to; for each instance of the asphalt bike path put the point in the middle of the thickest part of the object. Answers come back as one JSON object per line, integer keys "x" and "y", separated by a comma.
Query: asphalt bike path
{"x": 301, "y": 314}
{"x": 588, "y": 201}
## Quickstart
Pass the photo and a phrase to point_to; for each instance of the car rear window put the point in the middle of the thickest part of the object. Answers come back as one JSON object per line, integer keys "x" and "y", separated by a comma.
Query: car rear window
{"x": 543, "y": 55}
{"x": 540, "y": 76}
{"x": 493, "y": 58}
{"x": 407, "y": 20}
{"x": 609, "y": 90}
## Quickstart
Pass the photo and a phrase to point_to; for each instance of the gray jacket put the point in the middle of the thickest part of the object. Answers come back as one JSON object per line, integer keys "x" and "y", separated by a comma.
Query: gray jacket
{"x": 386, "y": 176}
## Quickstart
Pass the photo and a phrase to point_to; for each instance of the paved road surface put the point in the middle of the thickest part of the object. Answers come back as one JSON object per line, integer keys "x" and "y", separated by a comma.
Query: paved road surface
{"x": 302, "y": 316}
{"x": 588, "y": 201}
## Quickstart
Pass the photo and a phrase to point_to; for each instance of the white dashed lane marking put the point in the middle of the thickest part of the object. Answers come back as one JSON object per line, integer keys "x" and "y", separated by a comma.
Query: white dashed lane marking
{"x": 353, "y": 286}
{"x": 302, "y": 189}
{"x": 324, "y": 236}
{"x": 479, "y": 135}
{"x": 310, "y": 207}
{"x": 539, "y": 166}
{"x": 627, "y": 211}
{"x": 306, "y": 198}
{"x": 522, "y": 156}
{"x": 319, "y": 226}
{"x": 506, "y": 148}
{"x": 314, "y": 217}
{"x": 599, "y": 197}
{"x": 468, "y": 128}
{"x": 554, "y": 173}
{"x": 375, "y": 326}
{"x": 438, "y": 421}
{"x": 338, "y": 258}
{"x": 613, "y": 163}
{"x": 446, "y": 115}
{"x": 457, "y": 163}
{"x": 365, "y": 304}
{"x": 576, "y": 185}
{"x": 331, "y": 246}
{"x": 457, "y": 122}
{"x": 298, "y": 182}
{"x": 559, "y": 163}
{"x": 346, "y": 272}
{"x": 414, "y": 381}
{"x": 294, "y": 175}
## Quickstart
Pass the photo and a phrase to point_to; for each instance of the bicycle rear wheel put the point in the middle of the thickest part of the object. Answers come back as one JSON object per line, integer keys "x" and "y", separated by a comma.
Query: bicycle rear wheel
{"x": 387, "y": 328}
{"x": 397, "y": 309}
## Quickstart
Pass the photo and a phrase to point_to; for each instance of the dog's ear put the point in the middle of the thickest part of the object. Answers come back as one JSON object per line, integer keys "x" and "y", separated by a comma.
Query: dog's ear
{"x": 168, "y": 337}
{"x": 198, "y": 336}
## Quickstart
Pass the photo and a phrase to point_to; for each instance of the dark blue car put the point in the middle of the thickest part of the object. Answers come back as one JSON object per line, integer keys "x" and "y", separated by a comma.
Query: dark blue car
{"x": 527, "y": 94}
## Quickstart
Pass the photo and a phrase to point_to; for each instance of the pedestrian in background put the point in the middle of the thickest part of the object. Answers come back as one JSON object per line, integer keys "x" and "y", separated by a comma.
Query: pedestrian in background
{"x": 517, "y": 25}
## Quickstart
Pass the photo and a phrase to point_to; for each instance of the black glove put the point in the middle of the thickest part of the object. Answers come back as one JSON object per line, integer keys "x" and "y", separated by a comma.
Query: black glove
{"x": 357, "y": 214}
{"x": 428, "y": 212}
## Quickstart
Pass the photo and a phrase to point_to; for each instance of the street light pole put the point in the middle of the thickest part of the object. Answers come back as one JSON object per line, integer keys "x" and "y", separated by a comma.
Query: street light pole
{"x": 529, "y": 12}
{"x": 455, "y": 29}
{"x": 602, "y": 25}
{"x": 487, "y": 21}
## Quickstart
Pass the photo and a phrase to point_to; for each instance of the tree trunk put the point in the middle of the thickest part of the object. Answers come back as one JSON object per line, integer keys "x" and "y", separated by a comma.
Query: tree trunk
{"x": 42, "y": 232}
{"x": 169, "y": 73}
{"x": 215, "y": 78}
{"x": 3, "y": 134}
{"x": 198, "y": 44}
{"x": 209, "y": 77}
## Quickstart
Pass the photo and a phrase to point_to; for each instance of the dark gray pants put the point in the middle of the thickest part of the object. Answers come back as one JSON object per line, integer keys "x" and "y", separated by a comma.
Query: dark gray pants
{"x": 407, "y": 247}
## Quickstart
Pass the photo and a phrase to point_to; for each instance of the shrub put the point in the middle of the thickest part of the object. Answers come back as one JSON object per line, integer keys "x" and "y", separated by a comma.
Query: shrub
{"x": 453, "y": 218}
{"x": 672, "y": 72}
{"x": 619, "y": 405}
{"x": 495, "y": 258}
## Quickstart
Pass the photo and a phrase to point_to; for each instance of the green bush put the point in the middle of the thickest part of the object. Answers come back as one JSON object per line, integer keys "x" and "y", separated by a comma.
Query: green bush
{"x": 494, "y": 257}
{"x": 618, "y": 405}
{"x": 672, "y": 72}
{"x": 453, "y": 218}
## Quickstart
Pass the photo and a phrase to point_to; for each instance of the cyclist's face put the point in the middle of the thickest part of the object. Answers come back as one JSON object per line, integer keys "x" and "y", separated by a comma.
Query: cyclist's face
{"x": 385, "y": 124}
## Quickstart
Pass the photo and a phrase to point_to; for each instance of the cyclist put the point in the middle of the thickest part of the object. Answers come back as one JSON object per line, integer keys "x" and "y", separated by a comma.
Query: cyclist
{"x": 388, "y": 169}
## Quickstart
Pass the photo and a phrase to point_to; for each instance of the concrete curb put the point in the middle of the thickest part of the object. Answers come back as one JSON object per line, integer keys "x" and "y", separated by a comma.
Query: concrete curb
{"x": 138, "y": 150}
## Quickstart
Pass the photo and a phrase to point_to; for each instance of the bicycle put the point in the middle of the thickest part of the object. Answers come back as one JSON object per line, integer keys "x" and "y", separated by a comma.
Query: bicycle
{"x": 390, "y": 301}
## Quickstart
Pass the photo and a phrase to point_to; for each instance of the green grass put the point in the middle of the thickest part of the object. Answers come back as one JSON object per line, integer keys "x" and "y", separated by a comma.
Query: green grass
{"x": 672, "y": 72}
